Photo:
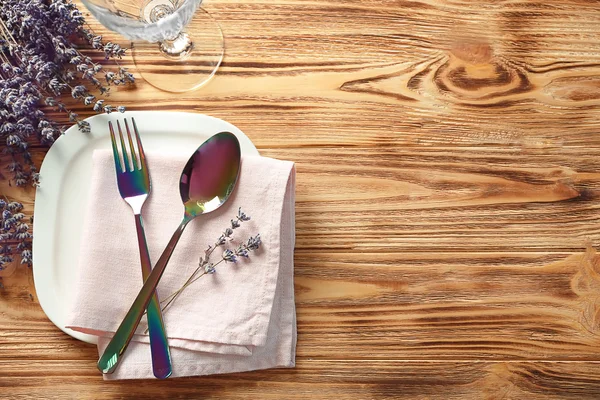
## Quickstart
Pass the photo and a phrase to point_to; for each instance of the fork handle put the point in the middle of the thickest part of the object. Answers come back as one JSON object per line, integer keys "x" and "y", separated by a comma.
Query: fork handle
{"x": 118, "y": 344}
{"x": 159, "y": 347}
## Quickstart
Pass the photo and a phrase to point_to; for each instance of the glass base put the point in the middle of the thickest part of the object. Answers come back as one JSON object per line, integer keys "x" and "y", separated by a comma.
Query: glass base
{"x": 186, "y": 62}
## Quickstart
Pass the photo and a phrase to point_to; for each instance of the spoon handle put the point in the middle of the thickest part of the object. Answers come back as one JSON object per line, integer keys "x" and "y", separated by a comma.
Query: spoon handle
{"x": 116, "y": 347}
{"x": 159, "y": 346}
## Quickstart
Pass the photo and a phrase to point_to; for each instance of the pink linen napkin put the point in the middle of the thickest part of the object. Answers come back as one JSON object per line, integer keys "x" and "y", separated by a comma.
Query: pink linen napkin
{"x": 241, "y": 318}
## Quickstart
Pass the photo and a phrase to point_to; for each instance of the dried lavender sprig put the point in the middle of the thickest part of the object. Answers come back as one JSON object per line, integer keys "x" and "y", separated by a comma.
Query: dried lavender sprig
{"x": 66, "y": 20}
{"x": 240, "y": 217}
{"x": 18, "y": 109}
{"x": 34, "y": 41}
{"x": 228, "y": 255}
{"x": 70, "y": 21}
{"x": 64, "y": 53}
{"x": 111, "y": 51}
{"x": 206, "y": 267}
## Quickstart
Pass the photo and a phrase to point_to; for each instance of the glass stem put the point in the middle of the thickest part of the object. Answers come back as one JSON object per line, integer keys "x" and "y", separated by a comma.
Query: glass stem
{"x": 178, "y": 48}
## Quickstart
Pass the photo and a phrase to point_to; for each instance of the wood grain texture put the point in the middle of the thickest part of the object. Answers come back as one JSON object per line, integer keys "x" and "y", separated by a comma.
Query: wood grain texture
{"x": 447, "y": 202}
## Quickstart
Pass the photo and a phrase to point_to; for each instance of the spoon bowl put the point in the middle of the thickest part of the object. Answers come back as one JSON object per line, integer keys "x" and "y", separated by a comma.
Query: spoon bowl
{"x": 210, "y": 174}
{"x": 206, "y": 183}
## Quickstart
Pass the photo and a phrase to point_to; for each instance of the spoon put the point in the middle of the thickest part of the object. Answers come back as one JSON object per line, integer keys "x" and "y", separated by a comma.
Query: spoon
{"x": 206, "y": 182}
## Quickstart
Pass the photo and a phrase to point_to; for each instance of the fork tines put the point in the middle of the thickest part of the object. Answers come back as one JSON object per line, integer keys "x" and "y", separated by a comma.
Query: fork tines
{"x": 123, "y": 164}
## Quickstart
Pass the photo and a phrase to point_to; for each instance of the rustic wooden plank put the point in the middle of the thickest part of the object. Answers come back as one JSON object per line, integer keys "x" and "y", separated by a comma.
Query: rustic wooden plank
{"x": 320, "y": 380}
{"x": 411, "y": 306}
{"x": 447, "y": 201}
{"x": 369, "y": 77}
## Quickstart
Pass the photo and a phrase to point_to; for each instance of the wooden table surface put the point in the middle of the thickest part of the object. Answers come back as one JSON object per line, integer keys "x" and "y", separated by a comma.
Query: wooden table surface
{"x": 448, "y": 193}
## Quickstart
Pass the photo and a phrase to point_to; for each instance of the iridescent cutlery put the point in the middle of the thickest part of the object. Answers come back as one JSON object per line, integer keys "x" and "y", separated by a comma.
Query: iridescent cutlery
{"x": 206, "y": 182}
{"x": 133, "y": 180}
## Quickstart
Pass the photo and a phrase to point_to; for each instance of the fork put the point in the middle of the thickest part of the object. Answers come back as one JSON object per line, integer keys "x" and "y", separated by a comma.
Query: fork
{"x": 133, "y": 180}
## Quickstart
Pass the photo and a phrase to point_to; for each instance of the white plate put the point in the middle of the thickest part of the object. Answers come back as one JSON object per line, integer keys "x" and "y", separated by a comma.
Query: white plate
{"x": 62, "y": 196}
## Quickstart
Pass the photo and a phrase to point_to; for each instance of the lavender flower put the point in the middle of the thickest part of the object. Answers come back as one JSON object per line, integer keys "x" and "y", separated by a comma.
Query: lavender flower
{"x": 99, "y": 105}
{"x": 221, "y": 240}
{"x": 26, "y": 257}
{"x": 209, "y": 268}
{"x": 254, "y": 242}
{"x": 241, "y": 251}
{"x": 96, "y": 42}
{"x": 242, "y": 215}
{"x": 229, "y": 256}
{"x": 13, "y": 231}
{"x": 126, "y": 76}
{"x": 84, "y": 126}
{"x": 39, "y": 63}
{"x": 89, "y": 100}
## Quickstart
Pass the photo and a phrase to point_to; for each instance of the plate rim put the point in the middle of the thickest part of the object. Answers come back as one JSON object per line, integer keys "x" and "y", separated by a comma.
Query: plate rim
{"x": 62, "y": 152}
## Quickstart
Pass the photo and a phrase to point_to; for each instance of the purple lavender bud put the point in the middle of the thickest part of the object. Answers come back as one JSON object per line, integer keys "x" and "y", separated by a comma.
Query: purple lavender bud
{"x": 241, "y": 251}
{"x": 117, "y": 51}
{"x": 13, "y": 140}
{"x": 96, "y": 42}
{"x": 89, "y": 100}
{"x": 56, "y": 86}
{"x": 78, "y": 91}
{"x": 98, "y": 106}
{"x": 27, "y": 129}
{"x": 26, "y": 257}
{"x": 84, "y": 126}
{"x": 71, "y": 52}
{"x": 254, "y": 242}
{"x": 18, "y": 216}
{"x": 9, "y": 223}
{"x": 209, "y": 268}
{"x": 129, "y": 77}
{"x": 44, "y": 124}
{"x": 229, "y": 256}
{"x": 108, "y": 48}
{"x": 47, "y": 134}
{"x": 242, "y": 215}
{"x": 76, "y": 17}
{"x": 7, "y": 127}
